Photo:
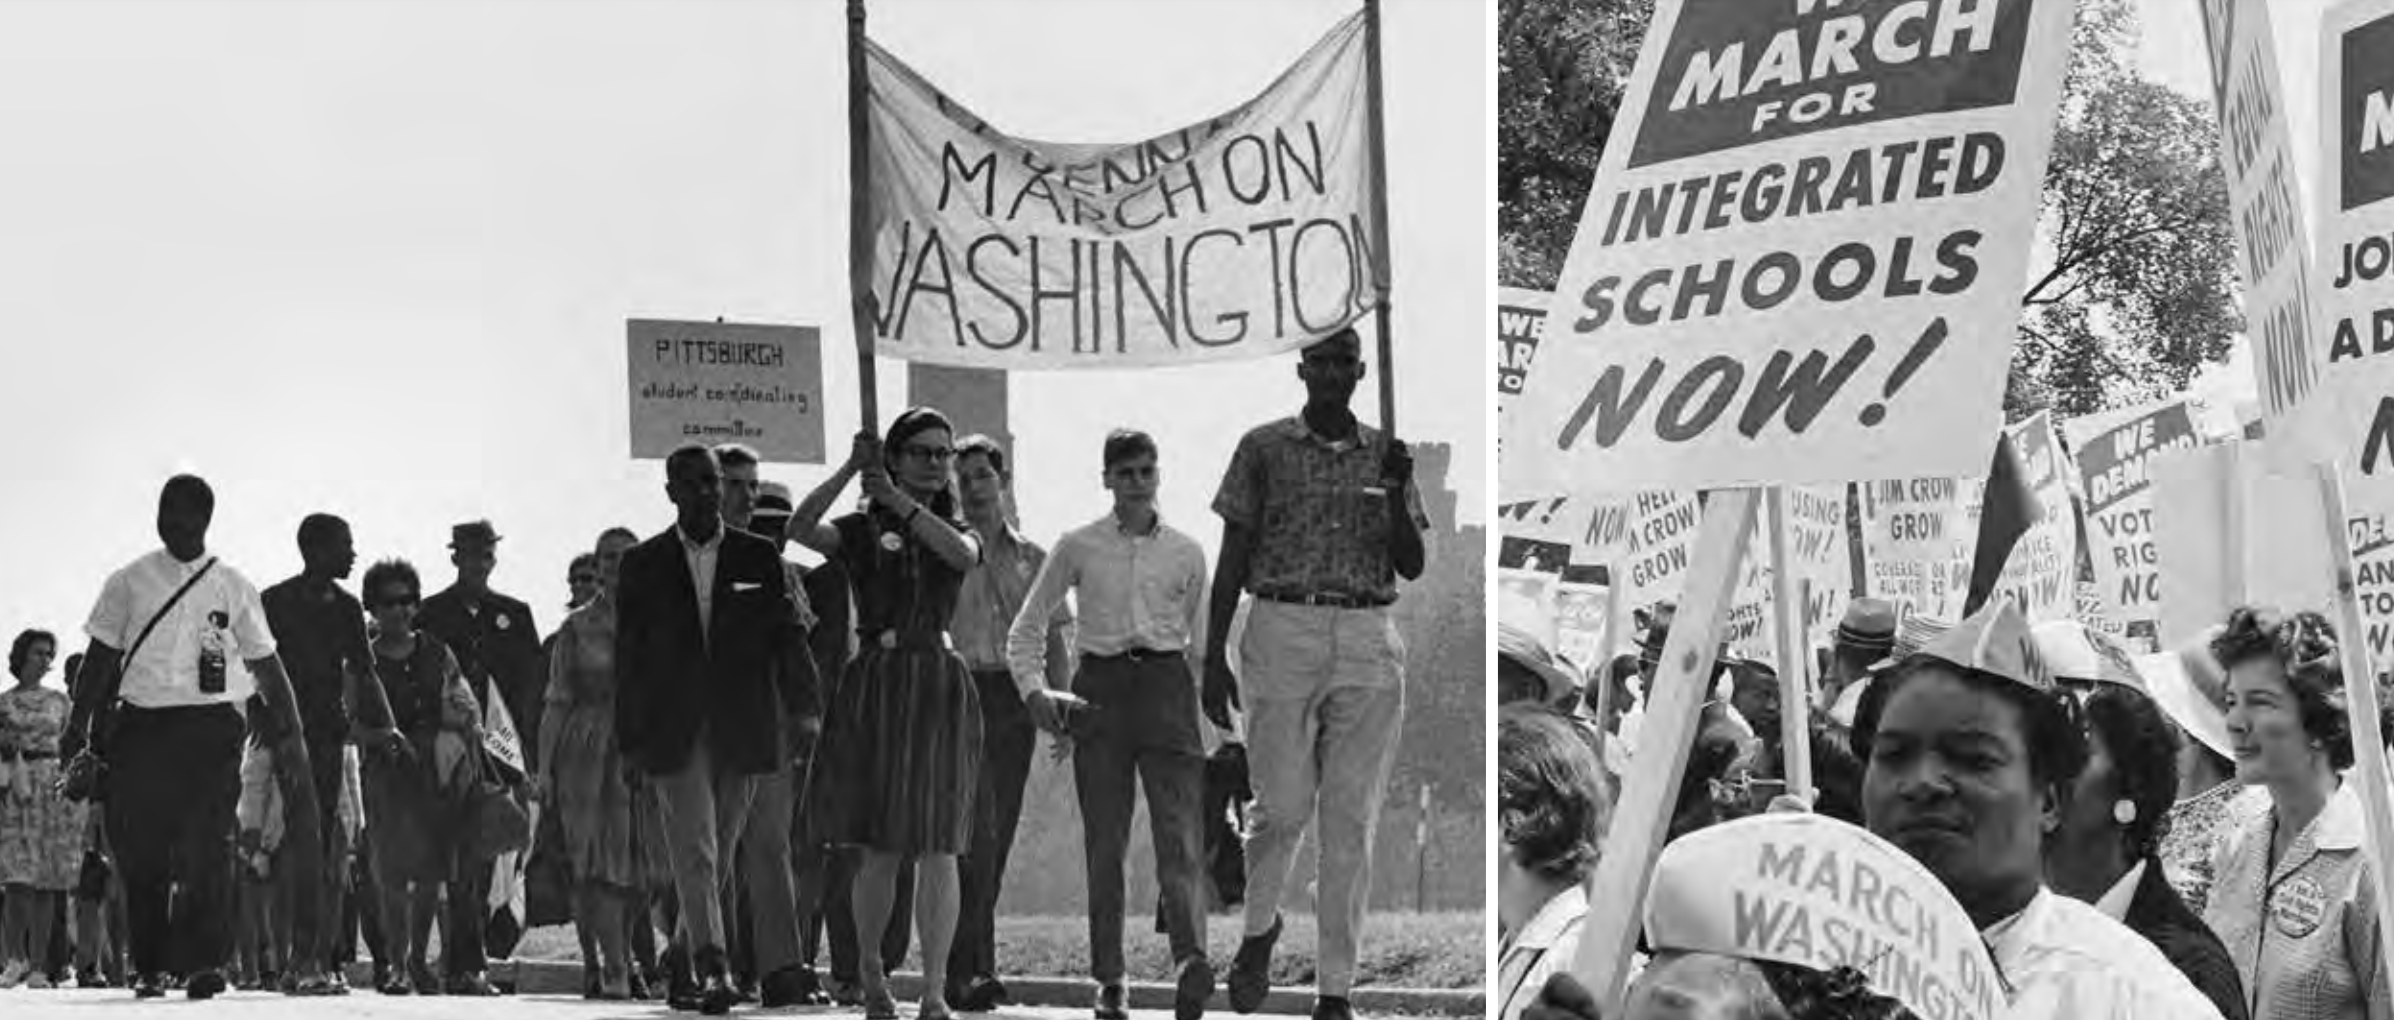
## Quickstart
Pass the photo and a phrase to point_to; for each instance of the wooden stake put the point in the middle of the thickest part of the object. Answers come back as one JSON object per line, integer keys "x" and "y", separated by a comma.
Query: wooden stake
{"x": 860, "y": 219}
{"x": 2360, "y": 694}
{"x": 1682, "y": 684}
{"x": 1787, "y": 613}
{"x": 1379, "y": 211}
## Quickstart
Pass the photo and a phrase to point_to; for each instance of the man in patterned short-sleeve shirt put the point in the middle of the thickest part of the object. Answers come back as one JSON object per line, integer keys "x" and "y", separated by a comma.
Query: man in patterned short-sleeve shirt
{"x": 1320, "y": 517}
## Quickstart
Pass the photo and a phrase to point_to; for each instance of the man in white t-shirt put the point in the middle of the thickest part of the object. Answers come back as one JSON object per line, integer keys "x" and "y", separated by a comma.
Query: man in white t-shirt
{"x": 168, "y": 724}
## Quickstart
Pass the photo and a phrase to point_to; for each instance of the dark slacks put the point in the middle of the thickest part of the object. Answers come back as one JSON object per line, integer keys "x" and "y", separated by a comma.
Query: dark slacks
{"x": 174, "y": 777}
{"x": 1144, "y": 734}
{"x": 464, "y": 913}
{"x": 1008, "y": 741}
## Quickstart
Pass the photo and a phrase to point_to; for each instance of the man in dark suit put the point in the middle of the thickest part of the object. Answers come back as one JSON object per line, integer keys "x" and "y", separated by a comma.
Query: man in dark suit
{"x": 497, "y": 646}
{"x": 713, "y": 672}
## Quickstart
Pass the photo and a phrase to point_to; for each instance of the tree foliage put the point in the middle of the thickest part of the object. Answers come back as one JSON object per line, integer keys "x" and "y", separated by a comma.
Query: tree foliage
{"x": 2134, "y": 295}
{"x": 2130, "y": 291}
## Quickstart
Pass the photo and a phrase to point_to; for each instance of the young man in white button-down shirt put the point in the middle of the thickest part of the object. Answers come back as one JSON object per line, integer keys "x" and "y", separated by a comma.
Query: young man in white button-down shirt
{"x": 170, "y": 729}
{"x": 1141, "y": 602}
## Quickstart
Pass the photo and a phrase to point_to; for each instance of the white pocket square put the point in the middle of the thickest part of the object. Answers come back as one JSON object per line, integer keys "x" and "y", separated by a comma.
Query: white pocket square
{"x": 740, "y": 586}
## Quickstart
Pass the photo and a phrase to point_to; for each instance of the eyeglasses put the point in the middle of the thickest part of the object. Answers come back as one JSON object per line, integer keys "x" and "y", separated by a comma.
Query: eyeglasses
{"x": 934, "y": 454}
{"x": 582, "y": 579}
{"x": 396, "y": 601}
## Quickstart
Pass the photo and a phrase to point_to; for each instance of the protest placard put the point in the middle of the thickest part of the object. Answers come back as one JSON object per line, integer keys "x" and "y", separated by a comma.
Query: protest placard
{"x": 2115, "y": 467}
{"x": 2039, "y": 575}
{"x": 1819, "y": 893}
{"x": 2351, "y": 419}
{"x": 1243, "y": 235}
{"x": 1917, "y": 538}
{"x": 1579, "y": 622}
{"x": 1823, "y": 562}
{"x": 1525, "y": 599}
{"x": 2264, "y": 201}
{"x": 1520, "y": 322}
{"x": 1801, "y": 257}
{"x": 726, "y": 382}
{"x": 1656, "y": 546}
{"x": 2233, "y": 529}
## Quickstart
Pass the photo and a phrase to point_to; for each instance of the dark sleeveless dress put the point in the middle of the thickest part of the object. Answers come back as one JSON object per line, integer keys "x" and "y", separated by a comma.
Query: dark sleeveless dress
{"x": 411, "y": 822}
{"x": 901, "y": 749}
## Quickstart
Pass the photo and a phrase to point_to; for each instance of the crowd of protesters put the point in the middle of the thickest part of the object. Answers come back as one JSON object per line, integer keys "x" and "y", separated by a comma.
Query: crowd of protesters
{"x": 2173, "y": 835}
{"x": 727, "y": 756}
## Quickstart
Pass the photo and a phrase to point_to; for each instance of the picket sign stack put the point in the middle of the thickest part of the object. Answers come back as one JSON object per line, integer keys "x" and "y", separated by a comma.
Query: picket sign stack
{"x": 1799, "y": 268}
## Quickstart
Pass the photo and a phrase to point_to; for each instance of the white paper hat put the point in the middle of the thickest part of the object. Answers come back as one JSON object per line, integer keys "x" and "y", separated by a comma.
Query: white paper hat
{"x": 2192, "y": 690}
{"x": 2074, "y": 651}
{"x": 1816, "y": 892}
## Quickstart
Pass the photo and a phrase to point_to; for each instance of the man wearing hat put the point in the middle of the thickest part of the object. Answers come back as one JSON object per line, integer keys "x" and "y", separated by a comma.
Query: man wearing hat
{"x": 497, "y": 646}
{"x": 1864, "y": 637}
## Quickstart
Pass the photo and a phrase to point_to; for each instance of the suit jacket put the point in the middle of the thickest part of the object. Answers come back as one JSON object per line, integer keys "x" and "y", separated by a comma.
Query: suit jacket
{"x": 2157, "y": 913}
{"x": 737, "y": 681}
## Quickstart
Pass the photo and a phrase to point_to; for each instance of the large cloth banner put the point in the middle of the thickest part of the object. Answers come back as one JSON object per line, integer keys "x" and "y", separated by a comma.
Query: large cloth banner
{"x": 2265, "y": 201}
{"x": 2115, "y": 465}
{"x": 1917, "y": 538}
{"x": 2040, "y": 576}
{"x": 1244, "y": 235}
{"x": 1802, "y": 256}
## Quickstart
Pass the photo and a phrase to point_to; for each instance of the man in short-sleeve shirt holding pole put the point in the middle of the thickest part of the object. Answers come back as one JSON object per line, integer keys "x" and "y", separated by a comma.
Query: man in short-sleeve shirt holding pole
{"x": 169, "y": 725}
{"x": 1320, "y": 518}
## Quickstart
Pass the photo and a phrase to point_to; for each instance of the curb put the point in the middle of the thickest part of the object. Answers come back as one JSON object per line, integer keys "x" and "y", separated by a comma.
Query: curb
{"x": 561, "y": 977}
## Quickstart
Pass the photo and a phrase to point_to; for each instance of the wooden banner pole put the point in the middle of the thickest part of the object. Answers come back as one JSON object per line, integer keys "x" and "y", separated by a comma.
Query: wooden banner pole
{"x": 1379, "y": 211}
{"x": 1787, "y": 613}
{"x": 860, "y": 219}
{"x": 2360, "y": 694}
{"x": 1682, "y": 684}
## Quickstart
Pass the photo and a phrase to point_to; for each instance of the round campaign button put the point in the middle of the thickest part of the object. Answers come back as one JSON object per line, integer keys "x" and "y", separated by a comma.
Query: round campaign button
{"x": 2298, "y": 907}
{"x": 503, "y": 622}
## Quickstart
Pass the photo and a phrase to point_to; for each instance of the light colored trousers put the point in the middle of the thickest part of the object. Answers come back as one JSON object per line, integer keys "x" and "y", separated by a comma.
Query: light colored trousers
{"x": 1324, "y": 692}
{"x": 704, "y": 810}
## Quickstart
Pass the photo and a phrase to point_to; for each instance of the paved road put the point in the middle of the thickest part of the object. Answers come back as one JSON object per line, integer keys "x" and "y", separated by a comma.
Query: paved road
{"x": 105, "y": 1004}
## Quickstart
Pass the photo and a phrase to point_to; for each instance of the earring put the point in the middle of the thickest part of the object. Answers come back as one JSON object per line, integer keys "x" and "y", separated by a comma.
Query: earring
{"x": 2123, "y": 811}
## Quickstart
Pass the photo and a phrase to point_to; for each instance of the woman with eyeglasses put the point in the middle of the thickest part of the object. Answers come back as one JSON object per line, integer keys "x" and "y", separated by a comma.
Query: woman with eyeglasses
{"x": 2292, "y": 894}
{"x": 584, "y": 774}
{"x": 901, "y": 746}
{"x": 416, "y": 772}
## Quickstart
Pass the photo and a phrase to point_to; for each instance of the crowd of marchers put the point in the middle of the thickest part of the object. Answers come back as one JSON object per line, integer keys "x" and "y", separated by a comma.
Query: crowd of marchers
{"x": 732, "y": 759}
{"x": 2173, "y": 835}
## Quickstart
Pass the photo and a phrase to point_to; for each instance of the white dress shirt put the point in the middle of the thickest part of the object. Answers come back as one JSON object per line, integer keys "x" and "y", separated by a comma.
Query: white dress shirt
{"x": 2066, "y": 960}
{"x": 221, "y": 613}
{"x": 701, "y": 556}
{"x": 1134, "y": 592}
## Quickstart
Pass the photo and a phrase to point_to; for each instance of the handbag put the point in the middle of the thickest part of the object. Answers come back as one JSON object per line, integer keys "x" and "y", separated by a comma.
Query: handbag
{"x": 85, "y": 778}
{"x": 495, "y": 823}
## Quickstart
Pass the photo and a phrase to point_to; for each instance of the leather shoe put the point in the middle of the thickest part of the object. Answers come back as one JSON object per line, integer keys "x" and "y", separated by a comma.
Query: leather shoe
{"x": 717, "y": 996}
{"x": 979, "y": 994}
{"x": 205, "y": 985}
{"x": 474, "y": 985}
{"x": 1110, "y": 1003}
{"x": 784, "y": 987}
{"x": 149, "y": 986}
{"x": 1194, "y": 989}
{"x": 1251, "y": 970}
{"x": 1331, "y": 1007}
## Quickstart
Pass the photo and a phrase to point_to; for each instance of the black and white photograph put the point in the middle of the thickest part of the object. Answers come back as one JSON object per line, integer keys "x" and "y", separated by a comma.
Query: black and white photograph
{"x": 850, "y": 508}
{"x": 1946, "y": 450}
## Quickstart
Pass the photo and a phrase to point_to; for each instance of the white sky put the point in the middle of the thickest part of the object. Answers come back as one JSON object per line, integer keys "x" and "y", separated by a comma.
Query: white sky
{"x": 375, "y": 257}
